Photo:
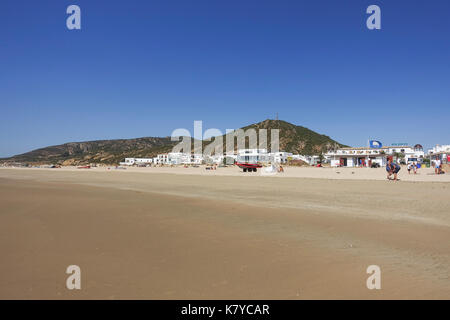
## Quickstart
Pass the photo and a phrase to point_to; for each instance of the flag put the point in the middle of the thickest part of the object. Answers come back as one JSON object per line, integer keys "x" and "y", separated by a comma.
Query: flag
{"x": 375, "y": 144}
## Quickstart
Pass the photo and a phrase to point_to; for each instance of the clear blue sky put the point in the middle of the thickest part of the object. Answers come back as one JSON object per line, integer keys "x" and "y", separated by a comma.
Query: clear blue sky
{"x": 144, "y": 68}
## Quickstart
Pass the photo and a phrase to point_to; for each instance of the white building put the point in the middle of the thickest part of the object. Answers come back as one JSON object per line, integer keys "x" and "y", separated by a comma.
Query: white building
{"x": 353, "y": 157}
{"x": 230, "y": 158}
{"x": 311, "y": 160}
{"x": 178, "y": 158}
{"x": 411, "y": 154}
{"x": 366, "y": 156}
{"x": 253, "y": 155}
{"x": 127, "y": 162}
{"x": 280, "y": 157}
{"x": 161, "y": 159}
{"x": 441, "y": 152}
{"x": 137, "y": 161}
{"x": 196, "y": 159}
{"x": 214, "y": 159}
{"x": 142, "y": 160}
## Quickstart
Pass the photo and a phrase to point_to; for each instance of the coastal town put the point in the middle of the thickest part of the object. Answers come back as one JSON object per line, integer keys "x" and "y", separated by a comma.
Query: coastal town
{"x": 341, "y": 157}
{"x": 406, "y": 155}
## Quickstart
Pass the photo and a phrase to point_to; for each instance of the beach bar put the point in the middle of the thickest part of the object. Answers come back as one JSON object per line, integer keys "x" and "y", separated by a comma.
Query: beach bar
{"x": 357, "y": 157}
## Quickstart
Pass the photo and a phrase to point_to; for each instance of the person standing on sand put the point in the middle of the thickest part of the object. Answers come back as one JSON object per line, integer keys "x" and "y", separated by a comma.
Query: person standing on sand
{"x": 437, "y": 166}
{"x": 409, "y": 167}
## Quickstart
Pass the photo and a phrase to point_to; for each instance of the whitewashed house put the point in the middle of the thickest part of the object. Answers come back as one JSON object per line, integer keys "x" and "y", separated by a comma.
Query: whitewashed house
{"x": 214, "y": 159}
{"x": 280, "y": 157}
{"x": 128, "y": 162}
{"x": 253, "y": 155}
{"x": 196, "y": 159}
{"x": 176, "y": 158}
{"x": 311, "y": 160}
{"x": 441, "y": 152}
{"x": 366, "y": 156}
{"x": 161, "y": 159}
{"x": 142, "y": 160}
{"x": 354, "y": 157}
{"x": 136, "y": 161}
{"x": 411, "y": 154}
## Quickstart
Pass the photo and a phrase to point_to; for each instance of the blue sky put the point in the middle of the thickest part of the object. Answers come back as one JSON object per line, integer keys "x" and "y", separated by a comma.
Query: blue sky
{"x": 144, "y": 68}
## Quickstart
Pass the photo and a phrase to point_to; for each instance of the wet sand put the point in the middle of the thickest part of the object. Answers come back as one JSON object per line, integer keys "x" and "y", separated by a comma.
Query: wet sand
{"x": 187, "y": 236}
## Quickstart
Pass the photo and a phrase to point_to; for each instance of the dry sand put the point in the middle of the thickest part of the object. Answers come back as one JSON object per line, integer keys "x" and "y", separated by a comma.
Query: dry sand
{"x": 149, "y": 233}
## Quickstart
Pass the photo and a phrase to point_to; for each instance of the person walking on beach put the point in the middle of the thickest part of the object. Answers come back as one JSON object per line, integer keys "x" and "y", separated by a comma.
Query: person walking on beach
{"x": 392, "y": 169}
{"x": 409, "y": 166}
{"x": 415, "y": 167}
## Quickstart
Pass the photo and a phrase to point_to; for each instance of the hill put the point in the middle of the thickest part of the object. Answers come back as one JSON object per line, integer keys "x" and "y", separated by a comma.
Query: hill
{"x": 293, "y": 138}
{"x": 297, "y": 139}
{"x": 100, "y": 151}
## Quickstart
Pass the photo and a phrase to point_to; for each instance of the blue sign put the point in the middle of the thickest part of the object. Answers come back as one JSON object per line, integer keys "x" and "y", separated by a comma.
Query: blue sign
{"x": 375, "y": 144}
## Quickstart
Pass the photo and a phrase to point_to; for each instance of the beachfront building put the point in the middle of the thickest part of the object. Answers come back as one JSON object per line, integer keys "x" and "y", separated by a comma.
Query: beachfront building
{"x": 311, "y": 160}
{"x": 127, "y": 162}
{"x": 314, "y": 160}
{"x": 178, "y": 158}
{"x": 136, "y": 161}
{"x": 441, "y": 152}
{"x": 161, "y": 159}
{"x": 216, "y": 158}
{"x": 366, "y": 156}
{"x": 228, "y": 158}
{"x": 196, "y": 159}
{"x": 354, "y": 157}
{"x": 142, "y": 161}
{"x": 232, "y": 156}
{"x": 280, "y": 157}
{"x": 407, "y": 153}
{"x": 253, "y": 155}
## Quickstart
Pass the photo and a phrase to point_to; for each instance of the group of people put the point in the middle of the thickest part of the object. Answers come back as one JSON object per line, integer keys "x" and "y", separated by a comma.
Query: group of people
{"x": 412, "y": 166}
{"x": 393, "y": 168}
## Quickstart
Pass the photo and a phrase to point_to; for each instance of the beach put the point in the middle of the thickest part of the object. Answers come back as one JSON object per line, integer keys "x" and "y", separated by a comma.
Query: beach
{"x": 191, "y": 233}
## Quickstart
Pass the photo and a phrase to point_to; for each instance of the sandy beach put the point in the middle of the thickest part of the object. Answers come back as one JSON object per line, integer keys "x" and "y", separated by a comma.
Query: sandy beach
{"x": 191, "y": 233}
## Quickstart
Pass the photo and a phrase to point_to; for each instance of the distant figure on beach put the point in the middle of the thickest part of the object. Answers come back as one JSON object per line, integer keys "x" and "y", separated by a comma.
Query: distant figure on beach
{"x": 409, "y": 167}
{"x": 392, "y": 169}
{"x": 437, "y": 166}
{"x": 415, "y": 167}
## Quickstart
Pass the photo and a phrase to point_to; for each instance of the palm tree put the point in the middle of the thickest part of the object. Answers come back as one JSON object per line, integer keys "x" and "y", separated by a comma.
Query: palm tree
{"x": 321, "y": 157}
{"x": 398, "y": 155}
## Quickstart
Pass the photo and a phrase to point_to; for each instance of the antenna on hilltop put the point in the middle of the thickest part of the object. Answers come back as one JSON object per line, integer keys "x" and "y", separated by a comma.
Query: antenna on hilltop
{"x": 278, "y": 122}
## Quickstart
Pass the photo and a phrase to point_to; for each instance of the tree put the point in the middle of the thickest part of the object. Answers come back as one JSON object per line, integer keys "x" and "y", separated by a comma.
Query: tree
{"x": 321, "y": 157}
{"x": 399, "y": 155}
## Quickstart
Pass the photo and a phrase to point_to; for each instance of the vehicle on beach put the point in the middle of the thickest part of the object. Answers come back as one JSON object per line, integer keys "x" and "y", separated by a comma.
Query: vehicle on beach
{"x": 413, "y": 160}
{"x": 248, "y": 167}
